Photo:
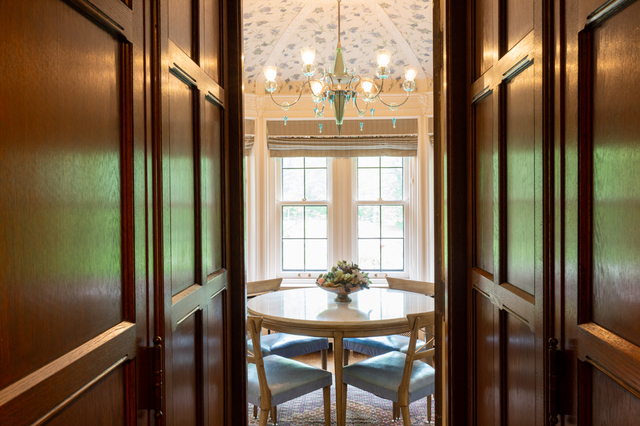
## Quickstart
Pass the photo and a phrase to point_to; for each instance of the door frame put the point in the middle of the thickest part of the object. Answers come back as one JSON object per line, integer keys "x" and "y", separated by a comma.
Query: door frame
{"x": 233, "y": 136}
{"x": 451, "y": 225}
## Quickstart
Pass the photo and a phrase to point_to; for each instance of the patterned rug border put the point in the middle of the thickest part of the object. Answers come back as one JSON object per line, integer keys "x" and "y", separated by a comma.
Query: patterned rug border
{"x": 363, "y": 409}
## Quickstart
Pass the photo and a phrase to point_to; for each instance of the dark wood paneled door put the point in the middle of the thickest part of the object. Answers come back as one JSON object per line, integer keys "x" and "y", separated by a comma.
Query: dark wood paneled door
{"x": 598, "y": 238}
{"x": 73, "y": 235}
{"x": 193, "y": 151}
{"x": 506, "y": 211}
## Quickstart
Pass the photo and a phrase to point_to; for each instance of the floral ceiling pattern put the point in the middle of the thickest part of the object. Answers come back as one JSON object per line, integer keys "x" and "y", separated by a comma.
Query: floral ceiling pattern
{"x": 275, "y": 32}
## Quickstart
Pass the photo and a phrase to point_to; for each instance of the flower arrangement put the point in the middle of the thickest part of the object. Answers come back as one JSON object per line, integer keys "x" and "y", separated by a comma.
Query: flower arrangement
{"x": 344, "y": 278}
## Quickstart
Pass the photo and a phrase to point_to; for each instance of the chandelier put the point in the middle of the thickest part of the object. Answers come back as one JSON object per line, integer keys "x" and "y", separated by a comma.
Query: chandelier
{"x": 342, "y": 86}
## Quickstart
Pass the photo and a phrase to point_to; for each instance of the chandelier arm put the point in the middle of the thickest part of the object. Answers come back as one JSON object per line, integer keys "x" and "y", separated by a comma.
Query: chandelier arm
{"x": 376, "y": 97}
{"x": 397, "y": 106}
{"x": 299, "y": 95}
{"x": 357, "y": 108}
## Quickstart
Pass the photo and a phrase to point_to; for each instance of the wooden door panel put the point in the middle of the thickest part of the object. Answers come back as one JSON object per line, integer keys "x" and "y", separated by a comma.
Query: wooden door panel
{"x": 103, "y": 403}
{"x": 60, "y": 188}
{"x": 601, "y": 292}
{"x": 196, "y": 293}
{"x": 520, "y": 377}
{"x": 211, "y": 43}
{"x": 216, "y": 366}
{"x": 507, "y": 210}
{"x": 183, "y": 25}
{"x": 69, "y": 291}
{"x": 519, "y": 21}
{"x": 212, "y": 183}
{"x": 616, "y": 198}
{"x": 518, "y": 229}
{"x": 187, "y": 364}
{"x": 483, "y": 111}
{"x": 487, "y": 373}
{"x": 485, "y": 40}
{"x": 182, "y": 190}
{"x": 609, "y": 403}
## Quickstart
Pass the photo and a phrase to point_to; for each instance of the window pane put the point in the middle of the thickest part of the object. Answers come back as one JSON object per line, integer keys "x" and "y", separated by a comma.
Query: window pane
{"x": 292, "y": 222}
{"x": 368, "y": 161}
{"x": 368, "y": 221}
{"x": 368, "y": 184}
{"x": 293, "y": 255}
{"x": 316, "y": 184}
{"x": 292, "y": 184}
{"x": 315, "y": 162}
{"x": 296, "y": 162}
{"x": 391, "y": 182}
{"x": 316, "y": 222}
{"x": 392, "y": 222}
{"x": 393, "y": 255}
{"x": 316, "y": 255}
{"x": 391, "y": 161}
{"x": 369, "y": 254}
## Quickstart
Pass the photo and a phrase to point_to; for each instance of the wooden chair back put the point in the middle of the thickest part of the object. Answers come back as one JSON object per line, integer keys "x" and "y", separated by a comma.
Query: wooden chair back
{"x": 254, "y": 326}
{"x": 421, "y": 287}
{"x": 255, "y": 288}
{"x": 416, "y": 322}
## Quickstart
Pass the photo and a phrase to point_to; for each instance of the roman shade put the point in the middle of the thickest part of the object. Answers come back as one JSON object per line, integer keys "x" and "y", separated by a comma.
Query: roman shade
{"x": 302, "y": 138}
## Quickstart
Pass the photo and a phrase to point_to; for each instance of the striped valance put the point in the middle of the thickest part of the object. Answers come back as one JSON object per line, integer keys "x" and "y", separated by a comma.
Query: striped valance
{"x": 302, "y": 138}
{"x": 249, "y": 135}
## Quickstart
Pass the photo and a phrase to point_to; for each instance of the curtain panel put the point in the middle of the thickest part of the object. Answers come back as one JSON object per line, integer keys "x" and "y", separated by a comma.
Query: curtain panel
{"x": 303, "y": 138}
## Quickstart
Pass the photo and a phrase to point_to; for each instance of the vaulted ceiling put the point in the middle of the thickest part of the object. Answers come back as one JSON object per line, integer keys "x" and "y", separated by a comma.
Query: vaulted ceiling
{"x": 274, "y": 33}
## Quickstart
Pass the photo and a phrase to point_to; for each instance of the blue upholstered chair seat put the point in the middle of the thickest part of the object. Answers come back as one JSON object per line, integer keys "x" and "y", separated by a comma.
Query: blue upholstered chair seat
{"x": 374, "y": 346}
{"x": 381, "y": 375}
{"x": 287, "y": 379}
{"x": 289, "y": 345}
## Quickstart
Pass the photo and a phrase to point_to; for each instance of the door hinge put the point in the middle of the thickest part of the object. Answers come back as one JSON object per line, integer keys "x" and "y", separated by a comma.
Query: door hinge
{"x": 554, "y": 354}
{"x": 158, "y": 375}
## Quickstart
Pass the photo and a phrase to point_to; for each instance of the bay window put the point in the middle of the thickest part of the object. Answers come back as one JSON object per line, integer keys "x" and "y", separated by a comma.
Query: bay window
{"x": 315, "y": 198}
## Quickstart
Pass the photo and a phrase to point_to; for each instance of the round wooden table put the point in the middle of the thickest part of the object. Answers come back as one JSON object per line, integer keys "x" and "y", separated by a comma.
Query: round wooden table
{"x": 313, "y": 312}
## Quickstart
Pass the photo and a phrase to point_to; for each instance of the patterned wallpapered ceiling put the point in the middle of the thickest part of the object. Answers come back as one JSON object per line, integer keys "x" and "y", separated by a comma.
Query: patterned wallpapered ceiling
{"x": 274, "y": 33}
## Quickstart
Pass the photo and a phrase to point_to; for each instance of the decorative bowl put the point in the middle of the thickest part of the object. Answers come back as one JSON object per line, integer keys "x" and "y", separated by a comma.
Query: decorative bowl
{"x": 343, "y": 279}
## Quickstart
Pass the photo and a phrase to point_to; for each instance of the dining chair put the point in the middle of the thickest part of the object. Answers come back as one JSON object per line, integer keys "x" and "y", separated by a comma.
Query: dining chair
{"x": 273, "y": 380}
{"x": 283, "y": 344}
{"x": 399, "y": 377}
{"x": 379, "y": 345}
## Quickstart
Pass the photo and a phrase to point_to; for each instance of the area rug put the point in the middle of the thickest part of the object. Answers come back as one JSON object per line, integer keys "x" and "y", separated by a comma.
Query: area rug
{"x": 363, "y": 409}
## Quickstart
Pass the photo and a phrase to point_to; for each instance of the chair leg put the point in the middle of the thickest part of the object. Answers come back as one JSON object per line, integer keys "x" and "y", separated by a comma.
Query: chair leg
{"x": 255, "y": 411}
{"x": 406, "y": 421}
{"x": 345, "y": 357}
{"x": 274, "y": 414}
{"x": 429, "y": 408}
{"x": 344, "y": 403}
{"x": 264, "y": 417}
{"x": 396, "y": 411}
{"x": 326, "y": 395}
{"x": 323, "y": 357}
